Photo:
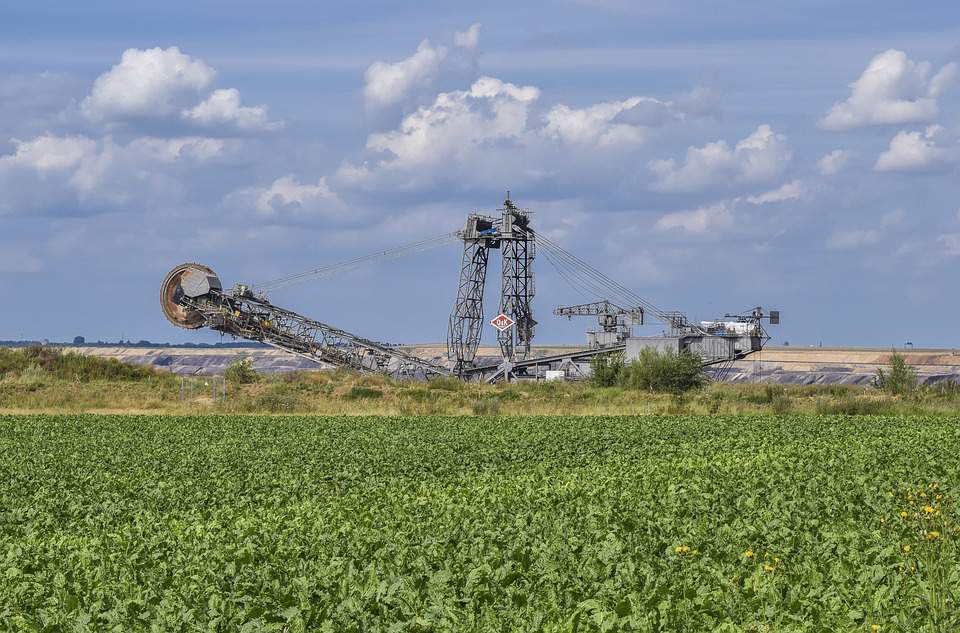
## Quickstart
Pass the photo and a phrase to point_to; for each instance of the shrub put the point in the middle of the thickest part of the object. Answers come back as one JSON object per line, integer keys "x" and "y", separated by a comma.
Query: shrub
{"x": 58, "y": 365}
{"x": 664, "y": 371}
{"x": 901, "y": 380}
{"x": 607, "y": 370}
{"x": 241, "y": 373}
{"x": 363, "y": 393}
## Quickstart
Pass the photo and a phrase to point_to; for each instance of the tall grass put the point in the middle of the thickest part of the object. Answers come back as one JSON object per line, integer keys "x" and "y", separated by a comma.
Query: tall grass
{"x": 46, "y": 379}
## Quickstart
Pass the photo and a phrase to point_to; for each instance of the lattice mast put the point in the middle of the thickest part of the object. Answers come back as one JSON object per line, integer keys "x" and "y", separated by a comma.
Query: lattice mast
{"x": 466, "y": 318}
{"x": 518, "y": 251}
{"x": 512, "y": 235}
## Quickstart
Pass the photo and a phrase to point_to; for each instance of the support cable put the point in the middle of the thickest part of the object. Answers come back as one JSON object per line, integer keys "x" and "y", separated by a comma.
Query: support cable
{"x": 616, "y": 288}
{"x": 599, "y": 286}
{"x": 350, "y": 264}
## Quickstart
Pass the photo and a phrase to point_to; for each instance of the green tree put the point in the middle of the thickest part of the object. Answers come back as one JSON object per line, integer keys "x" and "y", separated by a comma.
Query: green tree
{"x": 606, "y": 369}
{"x": 900, "y": 379}
{"x": 241, "y": 373}
{"x": 666, "y": 371}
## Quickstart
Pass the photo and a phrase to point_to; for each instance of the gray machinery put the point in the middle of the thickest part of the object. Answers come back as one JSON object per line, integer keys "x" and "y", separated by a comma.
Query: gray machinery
{"x": 192, "y": 297}
{"x": 512, "y": 235}
{"x": 616, "y": 323}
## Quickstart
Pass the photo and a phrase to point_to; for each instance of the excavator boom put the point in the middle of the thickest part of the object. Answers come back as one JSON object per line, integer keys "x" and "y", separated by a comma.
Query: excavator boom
{"x": 192, "y": 297}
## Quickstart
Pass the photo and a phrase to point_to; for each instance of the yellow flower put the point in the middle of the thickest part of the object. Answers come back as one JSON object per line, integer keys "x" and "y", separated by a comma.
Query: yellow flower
{"x": 928, "y": 509}
{"x": 768, "y": 568}
{"x": 906, "y": 549}
{"x": 903, "y": 514}
{"x": 681, "y": 549}
{"x": 874, "y": 627}
{"x": 748, "y": 554}
{"x": 939, "y": 497}
{"x": 932, "y": 536}
{"x": 932, "y": 486}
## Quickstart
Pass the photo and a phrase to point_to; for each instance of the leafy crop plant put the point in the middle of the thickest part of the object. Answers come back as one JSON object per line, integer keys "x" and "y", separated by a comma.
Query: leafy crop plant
{"x": 683, "y": 523}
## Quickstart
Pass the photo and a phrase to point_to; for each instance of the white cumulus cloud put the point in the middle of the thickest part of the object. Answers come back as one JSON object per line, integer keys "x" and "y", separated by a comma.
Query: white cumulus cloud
{"x": 893, "y": 89}
{"x": 74, "y": 173}
{"x": 833, "y": 162}
{"x": 169, "y": 86}
{"x": 288, "y": 195}
{"x": 789, "y": 191}
{"x": 223, "y": 109}
{"x": 457, "y": 129}
{"x": 49, "y": 152}
{"x": 469, "y": 39}
{"x": 150, "y": 83}
{"x": 606, "y": 124}
{"x": 429, "y": 68}
{"x": 760, "y": 157}
{"x": 919, "y": 151}
{"x": 387, "y": 84}
{"x": 711, "y": 217}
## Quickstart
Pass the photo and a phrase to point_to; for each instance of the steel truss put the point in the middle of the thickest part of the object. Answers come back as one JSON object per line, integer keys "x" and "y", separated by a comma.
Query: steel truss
{"x": 466, "y": 319}
{"x": 253, "y": 318}
{"x": 511, "y": 233}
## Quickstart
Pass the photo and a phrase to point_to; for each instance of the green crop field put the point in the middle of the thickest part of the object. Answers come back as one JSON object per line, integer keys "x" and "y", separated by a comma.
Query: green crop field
{"x": 794, "y": 523}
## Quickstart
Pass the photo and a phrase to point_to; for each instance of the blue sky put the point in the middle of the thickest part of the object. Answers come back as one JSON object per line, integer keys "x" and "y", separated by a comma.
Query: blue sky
{"x": 710, "y": 156}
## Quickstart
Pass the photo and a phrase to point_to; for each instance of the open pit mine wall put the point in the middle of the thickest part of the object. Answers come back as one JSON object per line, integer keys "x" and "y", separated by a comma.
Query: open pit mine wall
{"x": 776, "y": 365}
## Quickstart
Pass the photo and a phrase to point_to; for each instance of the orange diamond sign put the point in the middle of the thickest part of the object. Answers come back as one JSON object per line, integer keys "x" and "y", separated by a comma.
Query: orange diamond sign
{"x": 502, "y": 322}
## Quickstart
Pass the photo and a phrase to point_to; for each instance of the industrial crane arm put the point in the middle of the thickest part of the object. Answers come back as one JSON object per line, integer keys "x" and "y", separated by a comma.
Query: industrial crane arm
{"x": 600, "y": 308}
{"x": 192, "y": 297}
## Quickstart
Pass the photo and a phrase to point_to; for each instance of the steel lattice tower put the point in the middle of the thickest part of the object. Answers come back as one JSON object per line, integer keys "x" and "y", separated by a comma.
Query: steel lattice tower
{"x": 516, "y": 282}
{"x": 466, "y": 320}
{"x": 511, "y": 233}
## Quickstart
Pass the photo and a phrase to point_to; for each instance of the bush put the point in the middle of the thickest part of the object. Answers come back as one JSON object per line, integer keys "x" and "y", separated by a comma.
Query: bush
{"x": 241, "y": 373}
{"x": 607, "y": 370}
{"x": 664, "y": 371}
{"x": 71, "y": 366}
{"x": 901, "y": 380}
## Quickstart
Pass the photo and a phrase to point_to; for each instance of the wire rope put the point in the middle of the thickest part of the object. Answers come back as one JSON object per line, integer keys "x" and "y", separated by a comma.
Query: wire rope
{"x": 353, "y": 263}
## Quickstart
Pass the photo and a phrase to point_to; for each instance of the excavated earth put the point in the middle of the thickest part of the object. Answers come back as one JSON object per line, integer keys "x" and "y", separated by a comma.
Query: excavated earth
{"x": 784, "y": 365}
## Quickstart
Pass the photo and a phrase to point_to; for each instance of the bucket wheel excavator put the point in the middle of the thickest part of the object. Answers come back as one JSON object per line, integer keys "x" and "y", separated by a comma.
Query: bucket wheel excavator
{"x": 192, "y": 297}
